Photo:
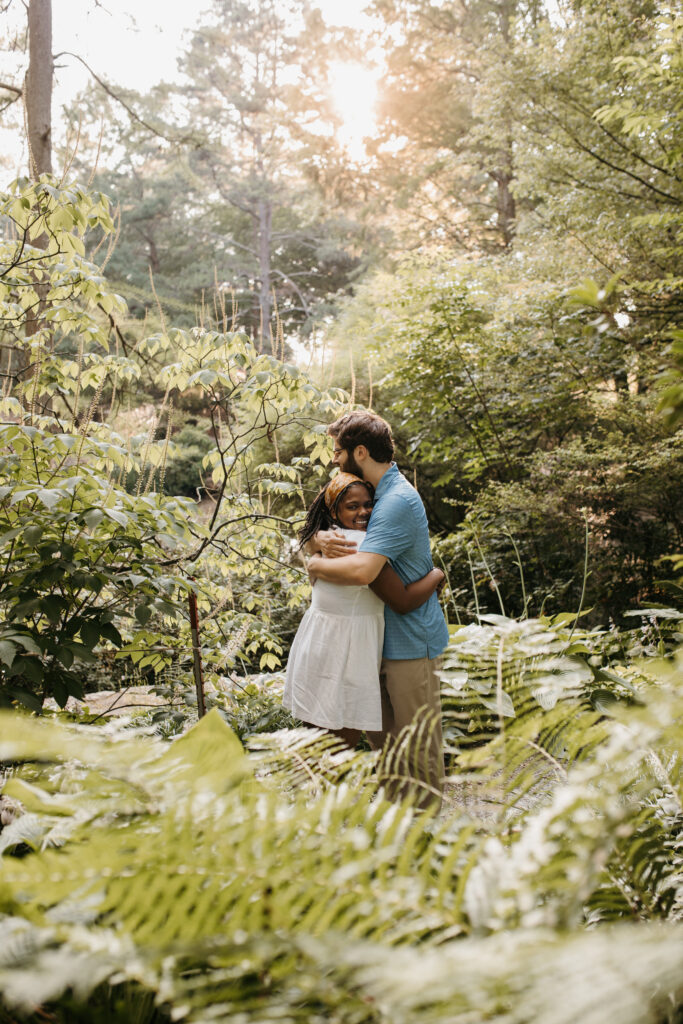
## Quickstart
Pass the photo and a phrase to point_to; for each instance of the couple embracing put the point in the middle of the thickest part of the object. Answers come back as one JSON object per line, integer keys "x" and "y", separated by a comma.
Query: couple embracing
{"x": 366, "y": 655}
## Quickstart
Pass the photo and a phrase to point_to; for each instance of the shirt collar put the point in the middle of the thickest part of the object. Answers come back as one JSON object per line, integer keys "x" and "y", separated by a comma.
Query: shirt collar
{"x": 387, "y": 480}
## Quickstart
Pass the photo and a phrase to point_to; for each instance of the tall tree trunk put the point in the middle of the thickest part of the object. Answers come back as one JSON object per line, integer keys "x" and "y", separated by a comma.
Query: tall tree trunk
{"x": 265, "y": 215}
{"x": 504, "y": 173}
{"x": 38, "y": 90}
{"x": 38, "y": 98}
{"x": 506, "y": 208}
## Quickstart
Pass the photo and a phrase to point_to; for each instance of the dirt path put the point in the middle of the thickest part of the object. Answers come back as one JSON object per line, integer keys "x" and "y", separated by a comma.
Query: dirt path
{"x": 112, "y": 702}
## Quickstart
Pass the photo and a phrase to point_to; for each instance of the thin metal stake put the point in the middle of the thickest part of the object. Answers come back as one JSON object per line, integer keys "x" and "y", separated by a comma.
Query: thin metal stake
{"x": 196, "y": 654}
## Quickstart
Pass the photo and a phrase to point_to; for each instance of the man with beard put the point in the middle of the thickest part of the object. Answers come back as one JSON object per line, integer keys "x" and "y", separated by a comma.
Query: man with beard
{"x": 413, "y": 643}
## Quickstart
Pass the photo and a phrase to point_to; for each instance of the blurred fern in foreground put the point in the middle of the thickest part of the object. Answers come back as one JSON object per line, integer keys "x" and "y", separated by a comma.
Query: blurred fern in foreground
{"x": 201, "y": 882}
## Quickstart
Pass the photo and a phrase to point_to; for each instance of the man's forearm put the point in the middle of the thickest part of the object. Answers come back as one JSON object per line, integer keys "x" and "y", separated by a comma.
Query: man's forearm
{"x": 350, "y": 570}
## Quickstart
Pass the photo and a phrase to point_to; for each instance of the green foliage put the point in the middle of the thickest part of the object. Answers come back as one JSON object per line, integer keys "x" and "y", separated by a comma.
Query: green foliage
{"x": 182, "y": 472}
{"x": 671, "y": 404}
{"x": 513, "y": 408}
{"x": 534, "y": 396}
{"x": 522, "y": 399}
{"x": 86, "y": 563}
{"x": 80, "y": 556}
{"x": 446, "y": 147}
{"x": 280, "y": 884}
{"x": 250, "y": 705}
{"x": 255, "y": 707}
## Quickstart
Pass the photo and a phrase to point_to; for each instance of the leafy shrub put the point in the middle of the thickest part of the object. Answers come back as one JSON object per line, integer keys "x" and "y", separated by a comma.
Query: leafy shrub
{"x": 182, "y": 472}
{"x": 86, "y": 562}
{"x": 250, "y": 705}
{"x": 519, "y": 408}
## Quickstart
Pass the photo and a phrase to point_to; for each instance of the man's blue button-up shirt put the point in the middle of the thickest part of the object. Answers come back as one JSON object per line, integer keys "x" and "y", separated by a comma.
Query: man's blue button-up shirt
{"x": 398, "y": 529}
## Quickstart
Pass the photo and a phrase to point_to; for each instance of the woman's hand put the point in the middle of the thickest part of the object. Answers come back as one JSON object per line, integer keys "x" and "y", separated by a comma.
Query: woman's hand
{"x": 334, "y": 544}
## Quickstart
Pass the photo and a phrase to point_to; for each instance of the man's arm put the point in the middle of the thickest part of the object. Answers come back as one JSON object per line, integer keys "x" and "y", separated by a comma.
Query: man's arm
{"x": 353, "y": 570}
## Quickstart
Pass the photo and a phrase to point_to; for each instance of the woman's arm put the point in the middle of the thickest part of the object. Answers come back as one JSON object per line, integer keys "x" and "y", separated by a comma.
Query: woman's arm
{"x": 405, "y": 597}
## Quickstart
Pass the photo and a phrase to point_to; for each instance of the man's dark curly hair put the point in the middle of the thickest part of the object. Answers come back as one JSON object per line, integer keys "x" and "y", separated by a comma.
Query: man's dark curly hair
{"x": 365, "y": 428}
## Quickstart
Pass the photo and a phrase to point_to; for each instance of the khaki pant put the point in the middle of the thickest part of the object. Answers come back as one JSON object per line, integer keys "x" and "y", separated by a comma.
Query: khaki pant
{"x": 412, "y": 761}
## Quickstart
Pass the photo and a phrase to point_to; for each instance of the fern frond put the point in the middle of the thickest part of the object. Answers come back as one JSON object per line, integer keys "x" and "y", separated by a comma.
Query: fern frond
{"x": 621, "y": 975}
{"x": 311, "y": 758}
{"x": 188, "y": 871}
{"x": 36, "y": 966}
{"x": 518, "y": 707}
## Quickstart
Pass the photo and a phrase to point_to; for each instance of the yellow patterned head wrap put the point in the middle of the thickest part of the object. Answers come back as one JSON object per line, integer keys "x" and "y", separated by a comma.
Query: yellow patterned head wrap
{"x": 338, "y": 485}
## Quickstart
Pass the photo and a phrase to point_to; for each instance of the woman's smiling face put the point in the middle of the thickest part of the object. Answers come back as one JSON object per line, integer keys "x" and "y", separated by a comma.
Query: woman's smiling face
{"x": 354, "y": 507}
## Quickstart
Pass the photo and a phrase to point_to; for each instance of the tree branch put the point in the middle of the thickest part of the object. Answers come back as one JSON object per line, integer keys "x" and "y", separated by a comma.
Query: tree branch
{"x": 110, "y": 92}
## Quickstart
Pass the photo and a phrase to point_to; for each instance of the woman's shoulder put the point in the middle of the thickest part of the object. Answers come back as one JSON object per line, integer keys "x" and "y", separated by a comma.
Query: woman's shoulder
{"x": 356, "y": 535}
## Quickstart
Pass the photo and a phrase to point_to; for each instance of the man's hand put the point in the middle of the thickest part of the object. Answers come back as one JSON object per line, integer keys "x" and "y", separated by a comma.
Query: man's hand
{"x": 334, "y": 544}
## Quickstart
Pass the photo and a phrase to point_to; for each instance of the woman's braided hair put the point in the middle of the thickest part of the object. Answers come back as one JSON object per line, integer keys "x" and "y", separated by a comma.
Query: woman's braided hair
{"x": 317, "y": 518}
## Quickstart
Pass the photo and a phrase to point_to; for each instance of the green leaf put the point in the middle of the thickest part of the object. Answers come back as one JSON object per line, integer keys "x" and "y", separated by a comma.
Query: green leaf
{"x": 109, "y": 632}
{"x": 90, "y": 633}
{"x": 10, "y": 535}
{"x": 53, "y": 607}
{"x": 27, "y": 642}
{"x": 119, "y": 517}
{"x": 7, "y": 652}
{"x": 86, "y": 581}
{"x": 74, "y": 685}
{"x": 26, "y": 608}
{"x": 60, "y": 692}
{"x": 28, "y": 699}
{"x": 93, "y": 517}
{"x": 65, "y": 655}
{"x": 50, "y": 497}
{"x": 143, "y": 613}
{"x": 82, "y": 652}
{"x": 502, "y": 706}
{"x": 29, "y": 667}
{"x": 32, "y": 535}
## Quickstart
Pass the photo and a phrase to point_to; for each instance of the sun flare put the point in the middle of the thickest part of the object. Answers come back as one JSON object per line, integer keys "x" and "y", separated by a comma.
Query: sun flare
{"x": 353, "y": 88}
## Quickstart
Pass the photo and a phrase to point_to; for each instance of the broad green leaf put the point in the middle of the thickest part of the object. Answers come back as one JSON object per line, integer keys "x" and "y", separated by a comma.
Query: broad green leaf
{"x": 93, "y": 517}
{"x": 109, "y": 632}
{"x": 65, "y": 655}
{"x": 49, "y": 497}
{"x": 27, "y": 642}
{"x": 143, "y": 613}
{"x": 32, "y": 535}
{"x": 7, "y": 652}
{"x": 90, "y": 633}
{"x": 30, "y": 667}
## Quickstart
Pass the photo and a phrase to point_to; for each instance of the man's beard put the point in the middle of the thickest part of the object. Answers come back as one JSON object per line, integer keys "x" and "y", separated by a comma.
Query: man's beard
{"x": 352, "y": 466}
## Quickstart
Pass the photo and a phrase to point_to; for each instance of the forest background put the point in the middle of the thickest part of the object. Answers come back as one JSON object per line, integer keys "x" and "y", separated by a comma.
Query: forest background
{"x": 496, "y": 269}
{"x": 497, "y": 273}
{"x": 195, "y": 280}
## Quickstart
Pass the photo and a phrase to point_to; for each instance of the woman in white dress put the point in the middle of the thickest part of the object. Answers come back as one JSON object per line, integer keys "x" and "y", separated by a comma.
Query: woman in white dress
{"x": 333, "y": 670}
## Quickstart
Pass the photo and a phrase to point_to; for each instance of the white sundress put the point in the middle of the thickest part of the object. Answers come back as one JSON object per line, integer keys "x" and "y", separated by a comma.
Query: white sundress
{"x": 332, "y": 676}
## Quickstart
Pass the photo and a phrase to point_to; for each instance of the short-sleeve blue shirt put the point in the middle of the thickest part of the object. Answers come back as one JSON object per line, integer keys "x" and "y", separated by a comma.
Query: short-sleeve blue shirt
{"x": 398, "y": 529}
